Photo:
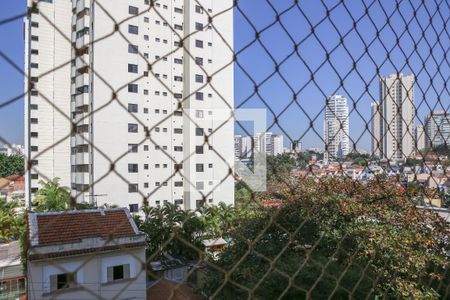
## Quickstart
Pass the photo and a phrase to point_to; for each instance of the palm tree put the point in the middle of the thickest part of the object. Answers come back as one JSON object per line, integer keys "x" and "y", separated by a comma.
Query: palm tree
{"x": 52, "y": 197}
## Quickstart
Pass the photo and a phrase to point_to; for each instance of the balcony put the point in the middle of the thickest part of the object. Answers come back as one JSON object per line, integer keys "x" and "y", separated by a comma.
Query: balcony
{"x": 82, "y": 61}
{"x": 82, "y": 41}
{"x": 82, "y": 4}
{"x": 82, "y": 79}
{"x": 81, "y": 100}
{"x": 82, "y": 23}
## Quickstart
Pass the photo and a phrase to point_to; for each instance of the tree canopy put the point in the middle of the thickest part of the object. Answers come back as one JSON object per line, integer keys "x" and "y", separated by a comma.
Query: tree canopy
{"x": 333, "y": 238}
{"x": 11, "y": 165}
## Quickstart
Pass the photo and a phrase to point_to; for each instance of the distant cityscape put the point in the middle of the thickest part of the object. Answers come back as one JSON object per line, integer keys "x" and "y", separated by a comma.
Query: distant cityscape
{"x": 396, "y": 132}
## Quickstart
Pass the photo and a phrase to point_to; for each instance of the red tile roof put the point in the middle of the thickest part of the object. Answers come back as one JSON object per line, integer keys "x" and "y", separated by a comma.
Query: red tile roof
{"x": 72, "y": 226}
{"x": 12, "y": 183}
{"x": 165, "y": 289}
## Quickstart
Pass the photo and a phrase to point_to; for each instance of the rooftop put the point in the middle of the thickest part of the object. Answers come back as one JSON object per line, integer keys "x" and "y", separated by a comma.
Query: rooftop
{"x": 10, "y": 254}
{"x": 54, "y": 228}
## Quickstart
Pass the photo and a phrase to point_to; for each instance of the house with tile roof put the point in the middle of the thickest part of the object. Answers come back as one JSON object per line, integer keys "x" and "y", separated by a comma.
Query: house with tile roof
{"x": 85, "y": 254}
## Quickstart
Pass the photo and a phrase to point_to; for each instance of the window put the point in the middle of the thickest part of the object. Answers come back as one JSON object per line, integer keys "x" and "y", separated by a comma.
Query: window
{"x": 198, "y": 26}
{"x": 199, "y": 131}
{"x": 132, "y": 148}
{"x": 178, "y": 113}
{"x": 33, "y": 120}
{"x": 132, "y": 127}
{"x": 178, "y": 78}
{"x": 146, "y": 38}
{"x": 198, "y": 78}
{"x": 210, "y": 166}
{"x": 132, "y": 108}
{"x": 118, "y": 272}
{"x": 199, "y": 96}
{"x": 134, "y": 208}
{"x": 178, "y": 131}
{"x": 178, "y": 10}
{"x": 33, "y": 106}
{"x": 198, "y": 44}
{"x": 62, "y": 281}
{"x": 132, "y": 168}
{"x": 199, "y": 114}
{"x": 34, "y": 148}
{"x": 145, "y": 184}
{"x": 178, "y": 61}
{"x": 133, "y": 29}
{"x": 178, "y": 27}
{"x": 145, "y": 166}
{"x": 35, "y": 24}
{"x": 34, "y": 38}
{"x": 34, "y": 176}
{"x": 33, "y": 134}
{"x": 132, "y": 49}
{"x": 178, "y": 183}
{"x": 146, "y": 20}
{"x": 199, "y": 203}
{"x": 133, "y": 188}
{"x": 178, "y": 201}
{"x": 132, "y": 10}
{"x": 145, "y": 147}
{"x": 198, "y": 149}
{"x": 34, "y": 51}
{"x": 178, "y": 96}
{"x": 198, "y": 9}
{"x": 199, "y": 61}
{"x": 199, "y": 185}
{"x": 34, "y": 65}
{"x": 132, "y": 88}
{"x": 132, "y": 68}
{"x": 199, "y": 168}
{"x": 178, "y": 148}
{"x": 210, "y": 44}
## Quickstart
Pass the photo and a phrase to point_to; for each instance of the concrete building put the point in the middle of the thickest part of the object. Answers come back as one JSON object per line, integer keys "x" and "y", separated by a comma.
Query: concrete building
{"x": 437, "y": 127}
{"x": 47, "y": 32}
{"x": 336, "y": 128}
{"x": 420, "y": 138}
{"x": 269, "y": 143}
{"x": 397, "y": 116}
{"x": 85, "y": 254}
{"x": 12, "y": 277}
{"x": 237, "y": 146}
{"x": 143, "y": 100}
{"x": 375, "y": 127}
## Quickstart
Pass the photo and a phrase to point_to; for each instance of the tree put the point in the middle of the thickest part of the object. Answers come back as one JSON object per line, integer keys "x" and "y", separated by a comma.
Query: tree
{"x": 52, "y": 197}
{"x": 12, "y": 221}
{"x": 337, "y": 239}
{"x": 11, "y": 165}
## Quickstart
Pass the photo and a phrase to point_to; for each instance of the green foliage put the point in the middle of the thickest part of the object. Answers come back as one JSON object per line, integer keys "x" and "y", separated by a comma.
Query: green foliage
{"x": 52, "y": 197}
{"x": 336, "y": 238}
{"x": 11, "y": 165}
{"x": 359, "y": 158}
{"x": 11, "y": 220}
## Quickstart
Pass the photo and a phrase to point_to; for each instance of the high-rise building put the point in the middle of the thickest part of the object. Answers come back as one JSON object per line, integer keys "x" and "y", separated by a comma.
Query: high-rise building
{"x": 143, "y": 101}
{"x": 420, "y": 138}
{"x": 336, "y": 128}
{"x": 269, "y": 143}
{"x": 437, "y": 128}
{"x": 47, "y": 102}
{"x": 375, "y": 129}
{"x": 397, "y": 116}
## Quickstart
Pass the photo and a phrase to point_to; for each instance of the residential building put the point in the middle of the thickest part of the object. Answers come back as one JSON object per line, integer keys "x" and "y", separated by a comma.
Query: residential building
{"x": 12, "y": 187}
{"x": 336, "y": 128}
{"x": 144, "y": 101}
{"x": 85, "y": 254}
{"x": 437, "y": 127}
{"x": 12, "y": 277}
{"x": 269, "y": 143}
{"x": 397, "y": 116}
{"x": 247, "y": 144}
{"x": 47, "y": 32}
{"x": 237, "y": 146}
{"x": 420, "y": 138}
{"x": 12, "y": 149}
{"x": 375, "y": 126}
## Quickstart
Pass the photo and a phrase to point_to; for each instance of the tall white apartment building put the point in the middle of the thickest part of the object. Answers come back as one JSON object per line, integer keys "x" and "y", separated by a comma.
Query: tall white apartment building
{"x": 336, "y": 128}
{"x": 151, "y": 98}
{"x": 47, "y": 32}
{"x": 437, "y": 127}
{"x": 269, "y": 143}
{"x": 420, "y": 138}
{"x": 398, "y": 115}
{"x": 375, "y": 126}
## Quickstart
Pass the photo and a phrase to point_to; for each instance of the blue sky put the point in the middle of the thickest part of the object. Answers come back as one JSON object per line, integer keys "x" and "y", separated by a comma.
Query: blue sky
{"x": 255, "y": 65}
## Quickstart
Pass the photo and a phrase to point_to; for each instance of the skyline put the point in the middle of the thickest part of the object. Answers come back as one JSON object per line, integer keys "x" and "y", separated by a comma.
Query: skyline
{"x": 259, "y": 65}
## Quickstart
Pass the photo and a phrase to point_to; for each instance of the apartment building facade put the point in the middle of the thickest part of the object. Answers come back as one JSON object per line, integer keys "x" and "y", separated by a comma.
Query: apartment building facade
{"x": 397, "y": 116}
{"x": 151, "y": 97}
{"x": 437, "y": 128}
{"x": 336, "y": 128}
{"x": 375, "y": 125}
{"x": 47, "y": 33}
